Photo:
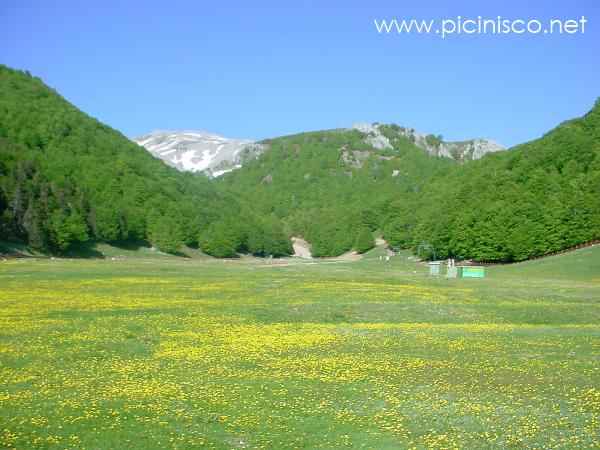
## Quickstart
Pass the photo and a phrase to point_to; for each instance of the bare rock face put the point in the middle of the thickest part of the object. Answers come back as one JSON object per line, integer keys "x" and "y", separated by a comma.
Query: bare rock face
{"x": 354, "y": 158}
{"x": 301, "y": 248}
{"x": 199, "y": 151}
{"x": 374, "y": 137}
{"x": 460, "y": 150}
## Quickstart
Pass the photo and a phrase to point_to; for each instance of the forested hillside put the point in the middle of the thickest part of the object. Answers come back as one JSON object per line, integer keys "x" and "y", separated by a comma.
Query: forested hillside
{"x": 535, "y": 199}
{"x": 67, "y": 178}
{"x": 335, "y": 187}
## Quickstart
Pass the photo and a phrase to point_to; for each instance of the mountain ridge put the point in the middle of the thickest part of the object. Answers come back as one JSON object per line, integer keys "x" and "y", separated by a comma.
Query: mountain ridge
{"x": 215, "y": 155}
{"x": 465, "y": 150}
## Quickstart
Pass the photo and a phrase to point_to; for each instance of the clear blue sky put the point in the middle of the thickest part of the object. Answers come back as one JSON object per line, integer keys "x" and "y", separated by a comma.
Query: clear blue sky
{"x": 265, "y": 68}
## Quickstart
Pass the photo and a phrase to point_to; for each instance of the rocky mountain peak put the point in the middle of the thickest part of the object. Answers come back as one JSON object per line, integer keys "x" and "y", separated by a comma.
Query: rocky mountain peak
{"x": 377, "y": 135}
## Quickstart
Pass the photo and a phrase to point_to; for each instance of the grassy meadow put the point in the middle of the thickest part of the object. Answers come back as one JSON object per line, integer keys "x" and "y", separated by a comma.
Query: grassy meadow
{"x": 151, "y": 352}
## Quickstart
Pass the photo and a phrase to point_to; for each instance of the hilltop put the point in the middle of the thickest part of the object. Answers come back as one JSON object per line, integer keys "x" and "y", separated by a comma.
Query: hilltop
{"x": 215, "y": 155}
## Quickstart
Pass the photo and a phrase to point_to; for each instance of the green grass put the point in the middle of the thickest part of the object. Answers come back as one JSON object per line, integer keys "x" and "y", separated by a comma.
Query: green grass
{"x": 583, "y": 264}
{"x": 163, "y": 352}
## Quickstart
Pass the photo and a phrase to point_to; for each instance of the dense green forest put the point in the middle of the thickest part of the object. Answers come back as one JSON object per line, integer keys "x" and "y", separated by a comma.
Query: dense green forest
{"x": 330, "y": 186}
{"x": 66, "y": 178}
{"x": 537, "y": 198}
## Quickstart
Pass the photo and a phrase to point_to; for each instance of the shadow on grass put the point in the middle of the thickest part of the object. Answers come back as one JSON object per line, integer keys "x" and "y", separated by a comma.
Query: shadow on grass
{"x": 89, "y": 250}
{"x": 133, "y": 245}
{"x": 137, "y": 245}
{"x": 15, "y": 250}
{"x": 84, "y": 250}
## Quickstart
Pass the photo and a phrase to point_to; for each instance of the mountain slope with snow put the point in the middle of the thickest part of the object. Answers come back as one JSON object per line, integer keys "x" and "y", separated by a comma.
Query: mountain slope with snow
{"x": 199, "y": 151}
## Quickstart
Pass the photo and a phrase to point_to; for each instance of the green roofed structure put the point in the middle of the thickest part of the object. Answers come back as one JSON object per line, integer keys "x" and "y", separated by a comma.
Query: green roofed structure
{"x": 471, "y": 272}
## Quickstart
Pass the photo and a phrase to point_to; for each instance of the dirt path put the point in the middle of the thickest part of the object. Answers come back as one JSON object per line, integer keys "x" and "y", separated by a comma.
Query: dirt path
{"x": 348, "y": 256}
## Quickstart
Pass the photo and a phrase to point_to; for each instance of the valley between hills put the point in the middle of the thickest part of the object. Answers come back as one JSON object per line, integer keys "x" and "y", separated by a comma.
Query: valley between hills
{"x": 67, "y": 180}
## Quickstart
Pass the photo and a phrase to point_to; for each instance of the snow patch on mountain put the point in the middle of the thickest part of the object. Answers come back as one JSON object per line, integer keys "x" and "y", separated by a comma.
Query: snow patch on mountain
{"x": 199, "y": 151}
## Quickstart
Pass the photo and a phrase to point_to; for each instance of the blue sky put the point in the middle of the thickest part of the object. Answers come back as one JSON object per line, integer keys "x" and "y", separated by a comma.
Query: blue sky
{"x": 267, "y": 68}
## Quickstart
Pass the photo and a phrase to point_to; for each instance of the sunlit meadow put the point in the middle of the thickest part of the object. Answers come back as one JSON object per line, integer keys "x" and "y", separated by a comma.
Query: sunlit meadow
{"x": 172, "y": 353}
